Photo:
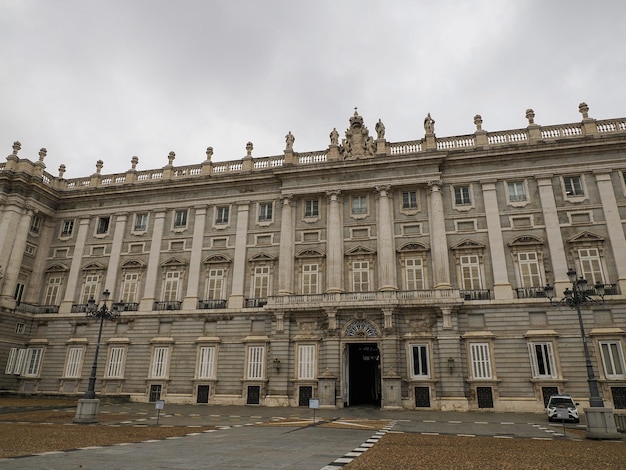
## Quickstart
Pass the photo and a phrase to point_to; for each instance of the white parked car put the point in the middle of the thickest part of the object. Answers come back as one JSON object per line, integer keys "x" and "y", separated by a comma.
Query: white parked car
{"x": 562, "y": 402}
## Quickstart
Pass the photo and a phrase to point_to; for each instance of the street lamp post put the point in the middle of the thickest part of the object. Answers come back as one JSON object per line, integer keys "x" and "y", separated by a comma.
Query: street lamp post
{"x": 87, "y": 410}
{"x": 600, "y": 421}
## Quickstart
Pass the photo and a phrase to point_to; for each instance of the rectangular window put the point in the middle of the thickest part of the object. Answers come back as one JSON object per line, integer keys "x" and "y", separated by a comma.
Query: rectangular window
{"x": 115, "y": 366}
{"x": 470, "y": 272}
{"x": 32, "y": 362}
{"x": 360, "y": 276}
{"x": 90, "y": 288}
{"x": 481, "y": 362}
{"x": 159, "y": 362}
{"x": 221, "y": 215}
{"x": 180, "y": 218}
{"x": 359, "y": 204}
{"x": 74, "y": 362}
{"x": 129, "y": 287}
{"x": 542, "y": 361}
{"x": 306, "y": 361}
{"x": 530, "y": 275}
{"x": 517, "y": 191}
{"x": 591, "y": 266}
{"x": 265, "y": 211}
{"x": 573, "y": 186}
{"x": 20, "y": 328}
{"x": 256, "y": 362}
{"x": 52, "y": 290}
{"x": 141, "y": 222}
{"x": 310, "y": 278}
{"x": 103, "y": 225}
{"x": 613, "y": 359}
{"x": 35, "y": 224}
{"x": 311, "y": 208}
{"x": 215, "y": 284}
{"x": 409, "y": 200}
{"x": 12, "y": 361}
{"x": 261, "y": 282}
{"x": 414, "y": 274}
{"x": 419, "y": 361}
{"x": 462, "y": 196}
{"x": 67, "y": 228}
{"x": 170, "y": 286}
{"x": 18, "y": 292}
{"x": 206, "y": 362}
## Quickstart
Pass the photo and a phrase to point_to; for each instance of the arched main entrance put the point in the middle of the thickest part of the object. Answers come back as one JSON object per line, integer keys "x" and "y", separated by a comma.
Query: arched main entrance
{"x": 361, "y": 365}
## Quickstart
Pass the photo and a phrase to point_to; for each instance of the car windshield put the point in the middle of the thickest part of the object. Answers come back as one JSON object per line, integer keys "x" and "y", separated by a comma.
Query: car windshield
{"x": 561, "y": 402}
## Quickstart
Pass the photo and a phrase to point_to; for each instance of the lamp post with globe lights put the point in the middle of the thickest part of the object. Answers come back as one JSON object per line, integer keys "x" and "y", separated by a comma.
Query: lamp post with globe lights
{"x": 600, "y": 421}
{"x": 87, "y": 410}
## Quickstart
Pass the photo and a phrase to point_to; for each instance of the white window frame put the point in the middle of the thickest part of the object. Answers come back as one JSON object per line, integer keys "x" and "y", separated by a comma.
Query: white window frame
{"x": 180, "y": 219}
{"x": 480, "y": 359}
{"x": 361, "y": 276}
{"x": 613, "y": 363}
{"x": 261, "y": 282}
{"x": 91, "y": 288}
{"x": 359, "y": 205}
{"x": 529, "y": 265}
{"x": 215, "y": 283}
{"x": 172, "y": 281}
{"x": 517, "y": 191}
{"x": 130, "y": 286}
{"x": 542, "y": 360}
{"x": 32, "y": 362}
{"x": 116, "y": 361}
{"x": 222, "y": 215}
{"x": 265, "y": 212}
{"x": 307, "y": 362}
{"x": 206, "y": 362}
{"x": 74, "y": 362}
{"x": 409, "y": 201}
{"x": 67, "y": 228}
{"x": 53, "y": 289}
{"x": 310, "y": 278}
{"x": 421, "y": 369}
{"x": 103, "y": 224}
{"x": 255, "y": 367}
{"x": 471, "y": 275}
{"x": 573, "y": 186}
{"x": 159, "y": 368}
{"x": 462, "y": 195}
{"x": 591, "y": 268}
{"x": 414, "y": 273}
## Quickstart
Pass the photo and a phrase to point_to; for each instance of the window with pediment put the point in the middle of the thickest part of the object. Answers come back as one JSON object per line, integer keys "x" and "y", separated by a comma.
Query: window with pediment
{"x": 361, "y": 269}
{"x": 414, "y": 262}
{"x": 469, "y": 260}
{"x": 527, "y": 255}
{"x": 587, "y": 250}
{"x": 216, "y": 275}
{"x": 310, "y": 268}
{"x": 92, "y": 279}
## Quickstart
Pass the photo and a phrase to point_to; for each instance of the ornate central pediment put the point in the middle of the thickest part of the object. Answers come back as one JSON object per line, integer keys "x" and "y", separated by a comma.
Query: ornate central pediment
{"x": 358, "y": 143}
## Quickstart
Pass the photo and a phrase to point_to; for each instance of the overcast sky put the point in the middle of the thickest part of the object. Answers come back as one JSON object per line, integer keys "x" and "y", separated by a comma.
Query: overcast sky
{"x": 111, "y": 79}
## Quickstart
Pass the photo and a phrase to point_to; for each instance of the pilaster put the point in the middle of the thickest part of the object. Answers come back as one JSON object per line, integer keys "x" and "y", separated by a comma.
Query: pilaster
{"x": 334, "y": 250}
{"x": 239, "y": 264}
{"x": 75, "y": 267}
{"x": 147, "y": 302}
{"x": 438, "y": 240}
{"x": 285, "y": 259}
{"x": 190, "y": 301}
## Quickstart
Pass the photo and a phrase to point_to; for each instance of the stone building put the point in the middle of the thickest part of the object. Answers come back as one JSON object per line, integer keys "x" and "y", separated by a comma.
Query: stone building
{"x": 406, "y": 275}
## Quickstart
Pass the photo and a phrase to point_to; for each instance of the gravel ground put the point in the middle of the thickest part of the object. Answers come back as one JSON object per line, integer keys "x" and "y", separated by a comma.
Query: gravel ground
{"x": 31, "y": 432}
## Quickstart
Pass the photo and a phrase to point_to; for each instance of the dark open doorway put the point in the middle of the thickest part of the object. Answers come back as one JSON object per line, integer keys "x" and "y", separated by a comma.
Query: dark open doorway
{"x": 364, "y": 374}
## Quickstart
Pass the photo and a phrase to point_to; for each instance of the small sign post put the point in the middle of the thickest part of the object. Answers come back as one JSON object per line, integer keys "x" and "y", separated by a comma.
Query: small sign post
{"x": 314, "y": 404}
{"x": 160, "y": 404}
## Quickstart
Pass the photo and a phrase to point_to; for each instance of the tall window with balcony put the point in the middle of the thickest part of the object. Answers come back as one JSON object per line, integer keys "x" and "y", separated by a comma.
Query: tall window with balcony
{"x": 310, "y": 279}
{"x": 260, "y": 285}
{"x": 91, "y": 288}
{"x": 361, "y": 276}
{"x": 529, "y": 275}
{"x": 591, "y": 266}
{"x": 470, "y": 272}
{"x": 215, "y": 285}
{"x": 414, "y": 272}
{"x": 130, "y": 285}
{"x": 53, "y": 288}
{"x": 171, "y": 289}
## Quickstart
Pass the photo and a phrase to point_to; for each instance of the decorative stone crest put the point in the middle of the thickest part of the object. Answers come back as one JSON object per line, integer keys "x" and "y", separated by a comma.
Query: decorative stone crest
{"x": 361, "y": 328}
{"x": 358, "y": 143}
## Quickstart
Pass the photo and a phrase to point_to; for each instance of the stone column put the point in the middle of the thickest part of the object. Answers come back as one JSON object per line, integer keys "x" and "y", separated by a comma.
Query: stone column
{"x": 438, "y": 240}
{"x": 334, "y": 244}
{"x": 613, "y": 224}
{"x": 553, "y": 233}
{"x": 10, "y": 215}
{"x": 154, "y": 258}
{"x": 36, "y": 291}
{"x": 239, "y": 263}
{"x": 114, "y": 259}
{"x": 12, "y": 269}
{"x": 285, "y": 259}
{"x": 75, "y": 267}
{"x": 190, "y": 302}
{"x": 501, "y": 285}
{"x": 386, "y": 253}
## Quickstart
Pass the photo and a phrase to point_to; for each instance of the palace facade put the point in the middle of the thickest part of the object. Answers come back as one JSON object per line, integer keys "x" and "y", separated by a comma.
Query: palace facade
{"x": 400, "y": 274}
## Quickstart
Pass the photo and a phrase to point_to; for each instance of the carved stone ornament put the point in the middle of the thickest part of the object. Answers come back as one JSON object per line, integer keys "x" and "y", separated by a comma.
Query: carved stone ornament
{"x": 361, "y": 328}
{"x": 358, "y": 143}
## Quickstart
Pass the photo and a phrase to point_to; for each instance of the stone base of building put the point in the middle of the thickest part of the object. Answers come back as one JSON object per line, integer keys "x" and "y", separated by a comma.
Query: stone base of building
{"x": 87, "y": 411}
{"x": 453, "y": 404}
{"x": 601, "y": 424}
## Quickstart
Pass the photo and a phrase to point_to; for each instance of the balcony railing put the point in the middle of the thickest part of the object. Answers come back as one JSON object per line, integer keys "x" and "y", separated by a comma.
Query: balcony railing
{"x": 128, "y": 306}
{"x": 79, "y": 308}
{"x": 476, "y": 294}
{"x": 531, "y": 293}
{"x": 211, "y": 303}
{"x": 31, "y": 308}
{"x": 169, "y": 305}
{"x": 255, "y": 303}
